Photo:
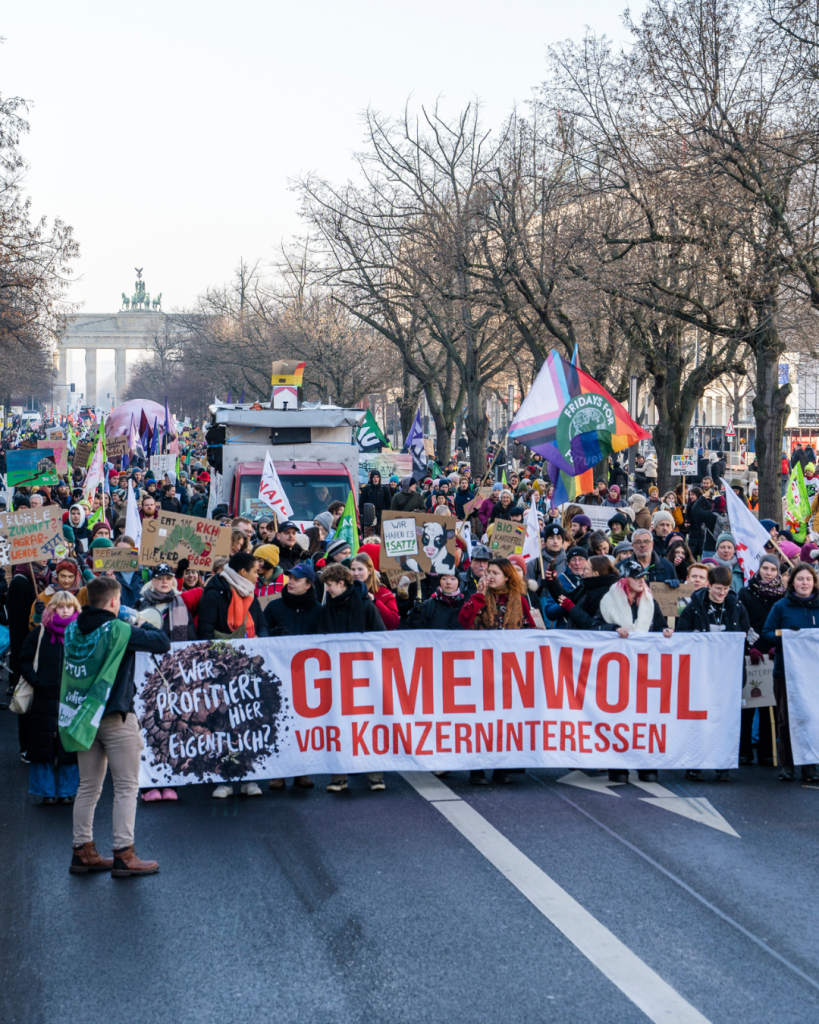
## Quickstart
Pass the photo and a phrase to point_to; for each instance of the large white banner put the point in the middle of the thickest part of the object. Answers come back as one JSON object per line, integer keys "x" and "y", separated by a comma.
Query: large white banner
{"x": 282, "y": 706}
{"x": 801, "y": 650}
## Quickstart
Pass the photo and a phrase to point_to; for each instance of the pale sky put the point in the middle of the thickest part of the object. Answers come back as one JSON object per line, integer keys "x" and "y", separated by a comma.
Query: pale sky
{"x": 165, "y": 133}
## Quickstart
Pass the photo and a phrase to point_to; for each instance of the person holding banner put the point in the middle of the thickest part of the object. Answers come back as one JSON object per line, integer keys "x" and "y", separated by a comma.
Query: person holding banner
{"x": 498, "y": 602}
{"x": 759, "y": 596}
{"x": 798, "y": 609}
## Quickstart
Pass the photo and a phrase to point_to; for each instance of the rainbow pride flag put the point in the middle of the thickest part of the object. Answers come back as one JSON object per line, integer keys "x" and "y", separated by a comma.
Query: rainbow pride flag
{"x": 574, "y": 423}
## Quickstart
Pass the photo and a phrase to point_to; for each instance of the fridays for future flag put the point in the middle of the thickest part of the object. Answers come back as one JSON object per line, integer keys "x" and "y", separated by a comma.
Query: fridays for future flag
{"x": 750, "y": 536}
{"x": 798, "y": 506}
{"x": 573, "y": 422}
{"x": 271, "y": 490}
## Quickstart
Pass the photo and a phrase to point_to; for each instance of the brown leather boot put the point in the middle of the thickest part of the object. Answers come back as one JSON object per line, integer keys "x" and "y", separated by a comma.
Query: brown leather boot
{"x": 87, "y": 859}
{"x": 127, "y": 863}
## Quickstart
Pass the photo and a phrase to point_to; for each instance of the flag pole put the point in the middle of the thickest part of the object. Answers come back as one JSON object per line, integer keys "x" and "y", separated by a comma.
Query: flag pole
{"x": 773, "y": 737}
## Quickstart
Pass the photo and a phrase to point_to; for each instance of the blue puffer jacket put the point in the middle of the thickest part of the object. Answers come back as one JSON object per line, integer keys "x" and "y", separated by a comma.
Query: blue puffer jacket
{"x": 789, "y": 613}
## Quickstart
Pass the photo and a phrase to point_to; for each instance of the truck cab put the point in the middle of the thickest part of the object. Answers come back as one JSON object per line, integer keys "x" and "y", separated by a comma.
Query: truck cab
{"x": 313, "y": 448}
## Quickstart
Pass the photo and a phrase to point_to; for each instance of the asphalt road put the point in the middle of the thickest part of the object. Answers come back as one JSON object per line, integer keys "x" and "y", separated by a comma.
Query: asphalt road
{"x": 393, "y": 907}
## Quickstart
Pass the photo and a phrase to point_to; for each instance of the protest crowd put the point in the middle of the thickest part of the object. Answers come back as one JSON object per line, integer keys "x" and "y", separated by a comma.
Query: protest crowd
{"x": 68, "y": 618}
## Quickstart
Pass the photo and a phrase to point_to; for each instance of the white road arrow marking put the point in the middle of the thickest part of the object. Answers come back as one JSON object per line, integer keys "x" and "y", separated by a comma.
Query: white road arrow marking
{"x": 599, "y": 783}
{"x": 695, "y": 808}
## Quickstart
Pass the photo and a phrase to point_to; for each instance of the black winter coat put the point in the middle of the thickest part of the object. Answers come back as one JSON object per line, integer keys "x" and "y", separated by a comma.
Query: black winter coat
{"x": 375, "y": 494}
{"x": 289, "y": 558}
{"x": 214, "y": 606}
{"x": 20, "y": 597}
{"x": 441, "y": 611}
{"x": 587, "y": 600}
{"x": 700, "y": 515}
{"x": 348, "y": 613}
{"x": 757, "y": 607}
{"x": 143, "y": 638}
{"x": 293, "y": 615}
{"x": 788, "y": 613}
{"x": 43, "y": 742}
{"x": 694, "y": 617}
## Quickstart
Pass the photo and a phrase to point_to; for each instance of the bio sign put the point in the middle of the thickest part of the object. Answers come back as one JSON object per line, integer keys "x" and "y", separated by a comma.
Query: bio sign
{"x": 171, "y": 537}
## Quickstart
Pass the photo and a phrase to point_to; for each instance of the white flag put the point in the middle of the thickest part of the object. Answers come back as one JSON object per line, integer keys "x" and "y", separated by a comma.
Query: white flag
{"x": 750, "y": 537}
{"x": 271, "y": 491}
{"x": 215, "y": 496}
{"x": 96, "y": 471}
{"x": 133, "y": 524}
{"x": 531, "y": 546}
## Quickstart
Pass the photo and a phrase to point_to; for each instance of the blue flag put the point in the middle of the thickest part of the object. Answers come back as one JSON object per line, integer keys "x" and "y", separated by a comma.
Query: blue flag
{"x": 415, "y": 445}
{"x": 155, "y": 438}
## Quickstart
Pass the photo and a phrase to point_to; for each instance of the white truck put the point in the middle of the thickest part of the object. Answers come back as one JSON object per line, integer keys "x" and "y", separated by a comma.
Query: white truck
{"x": 312, "y": 447}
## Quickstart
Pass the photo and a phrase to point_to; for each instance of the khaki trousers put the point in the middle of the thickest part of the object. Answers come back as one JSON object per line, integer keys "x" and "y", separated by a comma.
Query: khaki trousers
{"x": 119, "y": 744}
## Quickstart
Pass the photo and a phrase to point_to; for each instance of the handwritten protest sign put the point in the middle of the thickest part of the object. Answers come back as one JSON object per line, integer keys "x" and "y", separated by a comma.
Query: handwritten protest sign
{"x": 507, "y": 538}
{"x": 115, "y": 559}
{"x": 82, "y": 453}
{"x": 435, "y": 539}
{"x": 162, "y": 464}
{"x": 60, "y": 450}
{"x": 117, "y": 447}
{"x": 683, "y": 465}
{"x": 30, "y": 535}
{"x": 671, "y": 601}
{"x": 400, "y": 538}
{"x": 171, "y": 537}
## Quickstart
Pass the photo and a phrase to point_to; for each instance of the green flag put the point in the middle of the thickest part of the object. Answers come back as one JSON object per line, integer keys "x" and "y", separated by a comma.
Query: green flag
{"x": 347, "y": 526}
{"x": 369, "y": 437}
{"x": 796, "y": 494}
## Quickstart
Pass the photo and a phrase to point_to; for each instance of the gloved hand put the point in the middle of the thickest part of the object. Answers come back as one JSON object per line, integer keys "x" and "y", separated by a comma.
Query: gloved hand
{"x": 772, "y": 652}
{"x": 531, "y": 584}
{"x": 565, "y": 603}
{"x": 672, "y": 583}
{"x": 39, "y": 607}
{"x": 181, "y": 566}
{"x": 755, "y": 656}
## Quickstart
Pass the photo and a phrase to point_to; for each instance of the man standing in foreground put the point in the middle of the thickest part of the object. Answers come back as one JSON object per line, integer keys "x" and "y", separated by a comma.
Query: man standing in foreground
{"x": 99, "y": 661}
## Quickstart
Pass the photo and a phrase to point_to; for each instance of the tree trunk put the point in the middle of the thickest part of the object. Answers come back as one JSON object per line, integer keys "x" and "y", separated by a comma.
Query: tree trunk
{"x": 476, "y": 425}
{"x": 770, "y": 412}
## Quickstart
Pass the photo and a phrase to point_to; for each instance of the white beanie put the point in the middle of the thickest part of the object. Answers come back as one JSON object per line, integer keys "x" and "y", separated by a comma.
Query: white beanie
{"x": 662, "y": 516}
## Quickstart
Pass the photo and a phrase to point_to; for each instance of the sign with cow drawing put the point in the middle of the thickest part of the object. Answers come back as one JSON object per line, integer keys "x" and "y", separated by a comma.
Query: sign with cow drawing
{"x": 417, "y": 542}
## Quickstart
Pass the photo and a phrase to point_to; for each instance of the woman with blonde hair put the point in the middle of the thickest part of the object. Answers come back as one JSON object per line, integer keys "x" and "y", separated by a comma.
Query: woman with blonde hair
{"x": 53, "y": 772}
{"x": 363, "y": 569}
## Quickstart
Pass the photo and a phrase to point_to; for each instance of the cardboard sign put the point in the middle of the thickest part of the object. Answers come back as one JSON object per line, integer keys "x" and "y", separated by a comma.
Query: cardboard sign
{"x": 507, "y": 538}
{"x": 435, "y": 543}
{"x": 30, "y": 535}
{"x": 758, "y": 689}
{"x": 82, "y": 453}
{"x": 477, "y": 501}
{"x": 171, "y": 537}
{"x": 394, "y": 576}
{"x": 31, "y": 467}
{"x": 117, "y": 447}
{"x": 115, "y": 559}
{"x": 671, "y": 601}
{"x": 162, "y": 464}
{"x": 60, "y": 449}
{"x": 55, "y": 435}
{"x": 683, "y": 465}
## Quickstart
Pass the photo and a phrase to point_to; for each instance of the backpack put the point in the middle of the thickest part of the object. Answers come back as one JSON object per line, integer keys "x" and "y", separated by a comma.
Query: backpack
{"x": 723, "y": 525}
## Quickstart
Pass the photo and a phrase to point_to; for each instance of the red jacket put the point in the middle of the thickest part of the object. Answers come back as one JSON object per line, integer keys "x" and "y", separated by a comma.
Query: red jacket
{"x": 476, "y": 604}
{"x": 387, "y": 608}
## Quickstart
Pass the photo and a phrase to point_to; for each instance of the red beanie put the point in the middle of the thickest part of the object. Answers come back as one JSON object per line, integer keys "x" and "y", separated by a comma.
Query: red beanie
{"x": 374, "y": 551}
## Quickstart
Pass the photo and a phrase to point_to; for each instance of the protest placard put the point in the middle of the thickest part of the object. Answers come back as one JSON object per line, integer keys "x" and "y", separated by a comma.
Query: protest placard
{"x": 435, "y": 553}
{"x": 162, "y": 464}
{"x": 31, "y": 535}
{"x": 60, "y": 450}
{"x": 82, "y": 453}
{"x": 31, "y": 467}
{"x": 171, "y": 537}
{"x": 117, "y": 446}
{"x": 480, "y": 497}
{"x": 671, "y": 601}
{"x": 115, "y": 559}
{"x": 400, "y": 538}
{"x": 758, "y": 689}
{"x": 55, "y": 434}
{"x": 683, "y": 465}
{"x": 386, "y": 463}
{"x": 507, "y": 538}
{"x": 281, "y": 706}
{"x": 598, "y": 514}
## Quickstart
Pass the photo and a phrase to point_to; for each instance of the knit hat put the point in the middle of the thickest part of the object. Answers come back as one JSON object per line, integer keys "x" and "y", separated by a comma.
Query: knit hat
{"x": 719, "y": 505}
{"x": 67, "y": 566}
{"x": 809, "y": 552}
{"x": 809, "y": 468}
{"x": 554, "y": 530}
{"x": 269, "y": 552}
{"x": 98, "y": 527}
{"x": 661, "y": 516}
{"x": 325, "y": 519}
{"x": 726, "y": 536}
{"x": 614, "y": 491}
{"x": 768, "y": 524}
{"x": 623, "y": 547}
{"x": 518, "y": 560}
{"x": 374, "y": 551}
{"x": 394, "y": 479}
{"x": 101, "y": 542}
{"x": 582, "y": 520}
{"x": 637, "y": 501}
{"x": 789, "y": 549}
{"x": 497, "y": 487}
{"x": 576, "y": 553}
{"x": 769, "y": 558}
{"x": 337, "y": 546}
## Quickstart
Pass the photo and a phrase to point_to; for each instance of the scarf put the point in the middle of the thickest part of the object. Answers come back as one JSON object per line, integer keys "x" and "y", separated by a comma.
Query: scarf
{"x": 242, "y": 596}
{"x": 178, "y": 609}
{"x": 501, "y": 611}
{"x": 774, "y": 588}
{"x": 56, "y": 626}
